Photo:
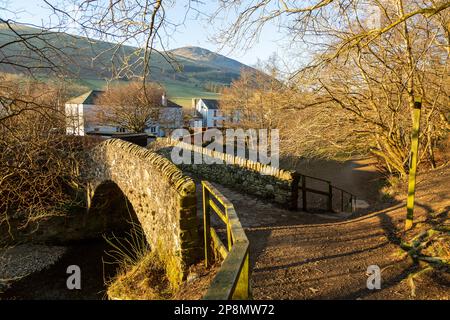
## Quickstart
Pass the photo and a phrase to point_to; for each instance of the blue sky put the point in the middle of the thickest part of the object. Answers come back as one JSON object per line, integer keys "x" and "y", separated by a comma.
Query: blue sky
{"x": 195, "y": 31}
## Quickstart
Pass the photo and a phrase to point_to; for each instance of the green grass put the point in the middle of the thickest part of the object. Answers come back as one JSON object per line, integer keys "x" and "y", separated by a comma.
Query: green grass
{"x": 183, "y": 93}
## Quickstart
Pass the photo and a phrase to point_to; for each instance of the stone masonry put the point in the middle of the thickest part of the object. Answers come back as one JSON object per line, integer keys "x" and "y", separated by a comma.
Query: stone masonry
{"x": 163, "y": 199}
{"x": 277, "y": 185}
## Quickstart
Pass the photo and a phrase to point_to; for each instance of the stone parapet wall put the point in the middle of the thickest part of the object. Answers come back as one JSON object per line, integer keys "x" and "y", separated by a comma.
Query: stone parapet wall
{"x": 277, "y": 185}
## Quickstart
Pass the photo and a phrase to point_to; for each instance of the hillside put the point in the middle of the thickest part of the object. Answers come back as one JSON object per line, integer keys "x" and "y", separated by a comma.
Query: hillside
{"x": 204, "y": 56}
{"x": 90, "y": 62}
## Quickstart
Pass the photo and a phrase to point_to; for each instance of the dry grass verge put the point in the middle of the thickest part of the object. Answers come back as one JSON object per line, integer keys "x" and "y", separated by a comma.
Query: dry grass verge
{"x": 146, "y": 280}
{"x": 143, "y": 274}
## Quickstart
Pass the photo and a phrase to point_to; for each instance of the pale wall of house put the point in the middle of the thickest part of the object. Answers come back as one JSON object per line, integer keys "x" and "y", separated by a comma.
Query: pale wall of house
{"x": 201, "y": 108}
{"x": 171, "y": 118}
{"x": 215, "y": 119}
{"x": 92, "y": 126}
{"x": 196, "y": 123}
{"x": 208, "y": 115}
{"x": 79, "y": 121}
{"x": 74, "y": 119}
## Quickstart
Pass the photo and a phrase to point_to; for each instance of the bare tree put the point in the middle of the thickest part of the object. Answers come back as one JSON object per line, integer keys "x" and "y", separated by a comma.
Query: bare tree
{"x": 318, "y": 18}
{"x": 132, "y": 106}
{"x": 371, "y": 71}
{"x": 143, "y": 24}
{"x": 39, "y": 165}
{"x": 38, "y": 162}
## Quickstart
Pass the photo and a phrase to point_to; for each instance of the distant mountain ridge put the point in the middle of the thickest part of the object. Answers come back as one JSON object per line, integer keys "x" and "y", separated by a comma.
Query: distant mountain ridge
{"x": 199, "y": 66}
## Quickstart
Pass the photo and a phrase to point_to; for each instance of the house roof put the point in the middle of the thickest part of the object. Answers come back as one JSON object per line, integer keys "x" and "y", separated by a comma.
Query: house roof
{"x": 86, "y": 98}
{"x": 171, "y": 104}
{"x": 90, "y": 97}
{"x": 211, "y": 103}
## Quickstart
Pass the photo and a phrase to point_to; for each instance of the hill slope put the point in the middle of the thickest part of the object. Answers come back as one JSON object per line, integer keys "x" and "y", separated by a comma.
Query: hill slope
{"x": 198, "y": 55}
{"x": 92, "y": 61}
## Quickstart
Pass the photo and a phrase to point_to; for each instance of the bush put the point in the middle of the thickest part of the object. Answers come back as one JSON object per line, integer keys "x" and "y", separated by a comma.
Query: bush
{"x": 39, "y": 164}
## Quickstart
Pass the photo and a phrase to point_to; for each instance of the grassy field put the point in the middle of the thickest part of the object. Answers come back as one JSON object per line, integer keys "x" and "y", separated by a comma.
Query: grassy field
{"x": 183, "y": 94}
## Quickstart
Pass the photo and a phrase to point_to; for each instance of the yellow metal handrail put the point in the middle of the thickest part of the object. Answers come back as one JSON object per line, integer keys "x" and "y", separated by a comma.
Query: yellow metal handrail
{"x": 232, "y": 280}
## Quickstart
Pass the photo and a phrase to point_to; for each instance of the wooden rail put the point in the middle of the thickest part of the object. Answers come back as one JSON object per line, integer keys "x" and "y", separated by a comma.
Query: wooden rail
{"x": 329, "y": 194}
{"x": 232, "y": 280}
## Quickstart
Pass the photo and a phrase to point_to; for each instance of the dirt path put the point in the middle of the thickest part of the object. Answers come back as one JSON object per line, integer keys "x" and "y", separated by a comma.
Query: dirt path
{"x": 296, "y": 255}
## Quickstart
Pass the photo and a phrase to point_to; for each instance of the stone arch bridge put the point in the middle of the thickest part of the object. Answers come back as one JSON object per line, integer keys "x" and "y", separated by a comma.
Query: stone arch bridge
{"x": 162, "y": 198}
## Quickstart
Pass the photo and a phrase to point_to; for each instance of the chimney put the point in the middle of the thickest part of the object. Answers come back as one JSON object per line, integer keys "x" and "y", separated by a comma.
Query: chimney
{"x": 164, "y": 100}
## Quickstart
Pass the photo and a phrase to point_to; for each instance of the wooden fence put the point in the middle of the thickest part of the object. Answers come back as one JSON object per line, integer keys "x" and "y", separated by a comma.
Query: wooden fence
{"x": 232, "y": 280}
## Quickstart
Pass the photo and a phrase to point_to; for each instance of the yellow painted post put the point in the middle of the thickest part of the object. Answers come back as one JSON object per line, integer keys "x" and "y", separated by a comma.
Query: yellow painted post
{"x": 413, "y": 164}
{"x": 206, "y": 226}
{"x": 229, "y": 235}
{"x": 242, "y": 290}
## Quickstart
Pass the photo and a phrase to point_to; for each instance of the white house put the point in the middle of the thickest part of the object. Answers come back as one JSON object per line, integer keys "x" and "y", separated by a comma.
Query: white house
{"x": 207, "y": 110}
{"x": 196, "y": 120}
{"x": 170, "y": 118}
{"x": 80, "y": 114}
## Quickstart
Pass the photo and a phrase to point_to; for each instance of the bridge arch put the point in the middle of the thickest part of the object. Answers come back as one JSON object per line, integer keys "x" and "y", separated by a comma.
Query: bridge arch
{"x": 111, "y": 208}
{"x": 161, "y": 197}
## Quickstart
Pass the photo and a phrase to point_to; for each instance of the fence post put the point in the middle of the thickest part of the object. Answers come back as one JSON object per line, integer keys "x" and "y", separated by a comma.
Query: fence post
{"x": 206, "y": 226}
{"x": 229, "y": 236}
{"x": 304, "y": 193}
{"x": 330, "y": 197}
{"x": 242, "y": 290}
{"x": 294, "y": 191}
{"x": 413, "y": 164}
